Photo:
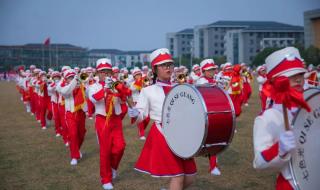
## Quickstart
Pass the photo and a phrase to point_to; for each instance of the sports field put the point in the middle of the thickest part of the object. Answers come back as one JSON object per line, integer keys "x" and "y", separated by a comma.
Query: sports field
{"x": 34, "y": 159}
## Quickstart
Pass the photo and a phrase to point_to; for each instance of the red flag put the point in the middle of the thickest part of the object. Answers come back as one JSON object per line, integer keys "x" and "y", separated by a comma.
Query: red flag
{"x": 47, "y": 41}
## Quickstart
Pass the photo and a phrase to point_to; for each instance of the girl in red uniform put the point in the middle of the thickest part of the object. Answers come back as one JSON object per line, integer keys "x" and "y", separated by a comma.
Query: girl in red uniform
{"x": 156, "y": 157}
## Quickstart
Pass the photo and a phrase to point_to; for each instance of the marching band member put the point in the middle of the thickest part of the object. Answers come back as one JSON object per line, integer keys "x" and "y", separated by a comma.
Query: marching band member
{"x": 195, "y": 74}
{"x": 208, "y": 68}
{"x": 156, "y": 157}
{"x": 61, "y": 108}
{"x": 272, "y": 144}
{"x": 108, "y": 123}
{"x": 311, "y": 76}
{"x": 246, "y": 78}
{"x": 90, "y": 81}
{"x": 235, "y": 89}
{"x": 31, "y": 90}
{"x": 262, "y": 78}
{"x": 43, "y": 98}
{"x": 36, "y": 93}
{"x": 224, "y": 80}
{"x": 54, "y": 102}
{"x": 115, "y": 71}
{"x": 136, "y": 87}
{"x": 145, "y": 71}
{"x": 74, "y": 97}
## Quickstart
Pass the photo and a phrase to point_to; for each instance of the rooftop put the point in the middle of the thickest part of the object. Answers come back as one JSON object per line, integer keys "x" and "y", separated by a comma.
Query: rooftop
{"x": 256, "y": 25}
{"x": 117, "y": 52}
{"x": 186, "y": 31}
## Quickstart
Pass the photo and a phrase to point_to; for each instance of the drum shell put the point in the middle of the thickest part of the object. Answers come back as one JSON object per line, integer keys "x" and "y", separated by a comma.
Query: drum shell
{"x": 220, "y": 120}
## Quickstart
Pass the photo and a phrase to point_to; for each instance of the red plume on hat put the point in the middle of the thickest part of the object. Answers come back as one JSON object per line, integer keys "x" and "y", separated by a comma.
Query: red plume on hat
{"x": 281, "y": 92}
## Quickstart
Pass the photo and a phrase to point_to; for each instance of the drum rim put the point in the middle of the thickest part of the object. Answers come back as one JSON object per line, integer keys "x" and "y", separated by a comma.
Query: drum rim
{"x": 294, "y": 178}
{"x": 205, "y": 117}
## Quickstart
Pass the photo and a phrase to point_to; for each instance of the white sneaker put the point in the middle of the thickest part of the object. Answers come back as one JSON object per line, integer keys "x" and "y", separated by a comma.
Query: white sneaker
{"x": 143, "y": 138}
{"x": 246, "y": 104}
{"x": 215, "y": 171}
{"x": 32, "y": 114}
{"x": 67, "y": 144}
{"x": 80, "y": 154}
{"x": 114, "y": 173}
{"x": 74, "y": 162}
{"x": 91, "y": 118}
{"x": 58, "y": 135}
{"x": 44, "y": 127}
{"x": 38, "y": 121}
{"x": 107, "y": 186}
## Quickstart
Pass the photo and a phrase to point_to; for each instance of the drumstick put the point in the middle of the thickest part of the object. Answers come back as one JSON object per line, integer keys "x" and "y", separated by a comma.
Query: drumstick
{"x": 285, "y": 118}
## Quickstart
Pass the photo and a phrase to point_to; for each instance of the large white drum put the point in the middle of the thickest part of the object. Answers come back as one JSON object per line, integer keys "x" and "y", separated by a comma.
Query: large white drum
{"x": 197, "y": 120}
{"x": 305, "y": 161}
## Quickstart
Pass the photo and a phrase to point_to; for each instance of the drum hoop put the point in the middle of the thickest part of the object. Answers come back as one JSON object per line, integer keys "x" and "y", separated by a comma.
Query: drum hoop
{"x": 294, "y": 178}
{"x": 205, "y": 117}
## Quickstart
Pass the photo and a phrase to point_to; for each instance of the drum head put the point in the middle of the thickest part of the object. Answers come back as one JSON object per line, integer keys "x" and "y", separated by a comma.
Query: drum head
{"x": 305, "y": 162}
{"x": 184, "y": 120}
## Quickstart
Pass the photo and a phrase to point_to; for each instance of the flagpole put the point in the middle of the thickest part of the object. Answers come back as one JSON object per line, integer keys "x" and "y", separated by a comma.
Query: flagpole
{"x": 57, "y": 57}
{"x": 42, "y": 56}
{"x": 50, "y": 55}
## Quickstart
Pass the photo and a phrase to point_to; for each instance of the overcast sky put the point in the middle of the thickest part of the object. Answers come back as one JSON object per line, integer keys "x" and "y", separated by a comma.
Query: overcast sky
{"x": 131, "y": 24}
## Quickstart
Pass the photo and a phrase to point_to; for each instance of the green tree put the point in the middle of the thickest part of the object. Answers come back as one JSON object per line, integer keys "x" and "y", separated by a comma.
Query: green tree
{"x": 261, "y": 57}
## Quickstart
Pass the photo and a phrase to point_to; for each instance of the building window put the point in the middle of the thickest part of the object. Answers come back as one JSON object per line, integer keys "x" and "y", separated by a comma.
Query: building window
{"x": 251, "y": 42}
{"x": 222, "y": 45}
{"x": 250, "y": 34}
{"x": 251, "y": 50}
{"x": 216, "y": 52}
{"x": 216, "y": 36}
{"x": 221, "y": 52}
{"x": 182, "y": 35}
{"x": 183, "y": 49}
{"x": 215, "y": 44}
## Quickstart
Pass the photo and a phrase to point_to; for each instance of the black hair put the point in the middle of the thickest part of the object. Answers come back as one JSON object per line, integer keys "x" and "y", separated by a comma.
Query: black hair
{"x": 154, "y": 79}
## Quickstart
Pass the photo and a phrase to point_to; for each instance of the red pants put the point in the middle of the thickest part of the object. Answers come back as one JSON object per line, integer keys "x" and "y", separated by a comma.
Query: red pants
{"x": 77, "y": 131}
{"x": 56, "y": 117}
{"x": 42, "y": 108}
{"x": 90, "y": 107}
{"x": 213, "y": 162}
{"x": 246, "y": 92}
{"x": 65, "y": 133}
{"x": 33, "y": 102}
{"x": 49, "y": 108}
{"x": 283, "y": 184}
{"x": 111, "y": 143}
{"x": 236, "y": 100}
{"x": 142, "y": 126}
{"x": 37, "y": 105}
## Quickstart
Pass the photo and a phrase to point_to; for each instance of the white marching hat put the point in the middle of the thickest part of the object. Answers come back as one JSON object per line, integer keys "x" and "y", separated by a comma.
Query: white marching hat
{"x": 285, "y": 62}
{"x": 207, "y": 64}
{"x": 103, "y": 63}
{"x": 160, "y": 56}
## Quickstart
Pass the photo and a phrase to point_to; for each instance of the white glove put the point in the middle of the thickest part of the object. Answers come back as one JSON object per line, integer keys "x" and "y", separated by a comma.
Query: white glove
{"x": 133, "y": 112}
{"x": 287, "y": 142}
{"x": 108, "y": 82}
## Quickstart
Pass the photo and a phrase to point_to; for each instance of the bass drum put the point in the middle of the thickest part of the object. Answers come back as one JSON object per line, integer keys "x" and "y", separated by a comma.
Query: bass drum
{"x": 305, "y": 161}
{"x": 197, "y": 120}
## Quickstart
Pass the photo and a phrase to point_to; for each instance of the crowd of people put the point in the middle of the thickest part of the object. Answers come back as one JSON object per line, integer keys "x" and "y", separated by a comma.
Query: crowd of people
{"x": 107, "y": 94}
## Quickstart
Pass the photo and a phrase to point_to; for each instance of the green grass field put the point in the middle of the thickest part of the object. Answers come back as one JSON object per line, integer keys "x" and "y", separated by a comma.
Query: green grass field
{"x": 34, "y": 159}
